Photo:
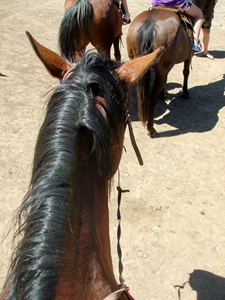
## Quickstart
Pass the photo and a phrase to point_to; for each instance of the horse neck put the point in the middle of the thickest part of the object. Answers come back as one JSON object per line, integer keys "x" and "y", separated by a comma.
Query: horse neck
{"x": 86, "y": 267}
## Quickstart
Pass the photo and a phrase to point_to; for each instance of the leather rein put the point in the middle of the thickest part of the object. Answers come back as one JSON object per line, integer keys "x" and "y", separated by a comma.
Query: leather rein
{"x": 123, "y": 288}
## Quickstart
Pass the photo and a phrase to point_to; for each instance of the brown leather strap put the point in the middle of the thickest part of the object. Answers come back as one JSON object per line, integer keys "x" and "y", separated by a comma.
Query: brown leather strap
{"x": 133, "y": 142}
{"x": 166, "y": 8}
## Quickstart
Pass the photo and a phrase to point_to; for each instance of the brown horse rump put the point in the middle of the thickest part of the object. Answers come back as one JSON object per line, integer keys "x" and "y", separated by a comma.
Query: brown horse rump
{"x": 186, "y": 19}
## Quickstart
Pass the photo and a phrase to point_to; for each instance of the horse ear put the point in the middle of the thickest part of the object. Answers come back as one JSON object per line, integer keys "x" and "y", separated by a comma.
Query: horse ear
{"x": 131, "y": 71}
{"x": 54, "y": 63}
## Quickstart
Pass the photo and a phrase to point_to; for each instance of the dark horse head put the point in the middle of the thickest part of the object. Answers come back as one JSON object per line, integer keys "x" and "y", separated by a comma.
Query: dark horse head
{"x": 64, "y": 250}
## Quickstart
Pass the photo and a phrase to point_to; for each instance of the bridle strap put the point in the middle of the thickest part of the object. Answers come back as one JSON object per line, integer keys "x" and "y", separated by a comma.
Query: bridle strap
{"x": 132, "y": 138}
{"x": 115, "y": 295}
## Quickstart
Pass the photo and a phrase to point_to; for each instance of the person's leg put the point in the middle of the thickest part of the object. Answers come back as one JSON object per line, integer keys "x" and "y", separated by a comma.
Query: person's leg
{"x": 196, "y": 13}
{"x": 126, "y": 16}
{"x": 125, "y": 6}
{"x": 206, "y": 35}
{"x": 205, "y": 40}
{"x": 208, "y": 14}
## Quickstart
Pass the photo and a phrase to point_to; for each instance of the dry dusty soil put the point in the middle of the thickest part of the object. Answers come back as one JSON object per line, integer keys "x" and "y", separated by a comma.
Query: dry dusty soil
{"x": 173, "y": 225}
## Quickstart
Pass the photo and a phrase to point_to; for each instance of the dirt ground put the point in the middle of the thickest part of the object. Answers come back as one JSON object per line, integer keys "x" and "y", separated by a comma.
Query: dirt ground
{"x": 173, "y": 226}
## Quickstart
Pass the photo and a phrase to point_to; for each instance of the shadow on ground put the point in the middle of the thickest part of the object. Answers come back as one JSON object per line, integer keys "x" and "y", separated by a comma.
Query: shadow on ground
{"x": 196, "y": 114}
{"x": 216, "y": 53}
{"x": 207, "y": 285}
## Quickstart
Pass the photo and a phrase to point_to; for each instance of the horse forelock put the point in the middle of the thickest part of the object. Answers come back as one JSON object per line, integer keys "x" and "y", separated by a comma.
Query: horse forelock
{"x": 43, "y": 214}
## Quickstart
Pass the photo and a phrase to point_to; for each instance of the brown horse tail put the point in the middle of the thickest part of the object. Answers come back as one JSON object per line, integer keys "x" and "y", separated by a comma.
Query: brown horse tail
{"x": 146, "y": 36}
{"x": 75, "y": 21}
{"x": 144, "y": 90}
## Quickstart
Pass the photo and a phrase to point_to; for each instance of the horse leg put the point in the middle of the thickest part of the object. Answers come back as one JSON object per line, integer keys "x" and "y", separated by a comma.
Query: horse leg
{"x": 116, "y": 45}
{"x": 159, "y": 85}
{"x": 103, "y": 52}
{"x": 163, "y": 94}
{"x": 103, "y": 43}
{"x": 117, "y": 28}
{"x": 81, "y": 45}
{"x": 186, "y": 72}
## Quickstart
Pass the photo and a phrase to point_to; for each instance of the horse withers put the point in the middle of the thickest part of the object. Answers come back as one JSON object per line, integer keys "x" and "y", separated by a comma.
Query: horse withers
{"x": 149, "y": 30}
{"x": 64, "y": 251}
{"x": 98, "y": 22}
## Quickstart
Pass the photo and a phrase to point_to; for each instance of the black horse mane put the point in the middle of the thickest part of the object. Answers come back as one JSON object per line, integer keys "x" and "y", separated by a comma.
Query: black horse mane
{"x": 71, "y": 108}
{"x": 76, "y": 17}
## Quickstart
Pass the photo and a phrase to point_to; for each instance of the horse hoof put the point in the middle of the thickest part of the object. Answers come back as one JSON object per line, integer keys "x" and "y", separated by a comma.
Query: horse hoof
{"x": 153, "y": 133}
{"x": 117, "y": 55}
{"x": 163, "y": 95}
{"x": 186, "y": 95}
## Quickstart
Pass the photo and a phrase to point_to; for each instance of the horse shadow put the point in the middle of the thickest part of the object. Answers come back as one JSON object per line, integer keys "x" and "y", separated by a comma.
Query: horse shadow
{"x": 207, "y": 285}
{"x": 196, "y": 114}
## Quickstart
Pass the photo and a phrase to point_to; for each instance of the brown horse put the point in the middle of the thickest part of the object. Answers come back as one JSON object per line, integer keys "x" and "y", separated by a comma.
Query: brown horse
{"x": 64, "y": 252}
{"x": 149, "y": 30}
{"x": 98, "y": 22}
